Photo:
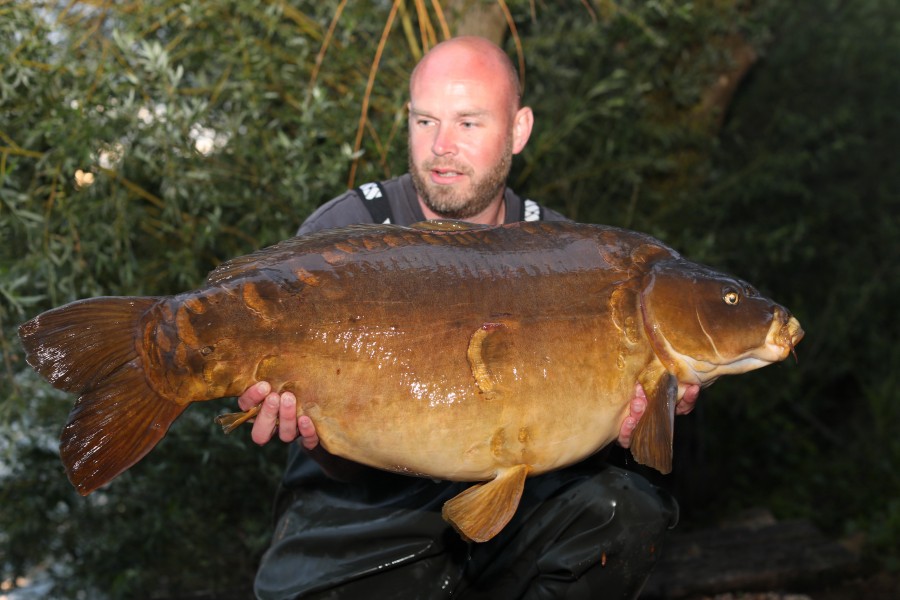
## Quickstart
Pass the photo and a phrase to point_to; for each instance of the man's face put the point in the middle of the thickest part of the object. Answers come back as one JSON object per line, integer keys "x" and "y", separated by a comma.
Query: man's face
{"x": 471, "y": 194}
{"x": 460, "y": 140}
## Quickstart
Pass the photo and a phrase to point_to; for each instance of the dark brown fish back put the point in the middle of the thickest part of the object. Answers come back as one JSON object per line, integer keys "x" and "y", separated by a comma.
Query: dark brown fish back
{"x": 288, "y": 260}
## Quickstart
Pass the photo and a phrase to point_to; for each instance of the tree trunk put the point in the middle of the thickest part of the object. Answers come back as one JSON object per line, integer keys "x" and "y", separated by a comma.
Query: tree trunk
{"x": 476, "y": 17}
{"x": 717, "y": 98}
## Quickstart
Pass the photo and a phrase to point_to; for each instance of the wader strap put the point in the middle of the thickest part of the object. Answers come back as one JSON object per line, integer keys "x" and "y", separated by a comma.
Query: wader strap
{"x": 376, "y": 202}
{"x": 531, "y": 211}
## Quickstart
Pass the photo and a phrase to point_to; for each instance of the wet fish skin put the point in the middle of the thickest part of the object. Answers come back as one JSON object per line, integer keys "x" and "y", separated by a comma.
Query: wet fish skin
{"x": 445, "y": 350}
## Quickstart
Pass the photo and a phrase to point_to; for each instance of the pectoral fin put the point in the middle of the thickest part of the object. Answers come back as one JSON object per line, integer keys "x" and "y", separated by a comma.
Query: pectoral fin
{"x": 480, "y": 512}
{"x": 651, "y": 443}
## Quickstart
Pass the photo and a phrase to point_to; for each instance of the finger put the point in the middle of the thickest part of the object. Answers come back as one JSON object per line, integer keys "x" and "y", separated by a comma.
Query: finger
{"x": 264, "y": 426}
{"x": 253, "y": 395}
{"x": 639, "y": 394}
{"x": 625, "y": 432}
{"x": 636, "y": 409}
{"x": 688, "y": 400}
{"x": 287, "y": 418}
{"x": 308, "y": 432}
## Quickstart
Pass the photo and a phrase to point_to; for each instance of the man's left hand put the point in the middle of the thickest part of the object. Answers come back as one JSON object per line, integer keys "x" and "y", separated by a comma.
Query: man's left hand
{"x": 639, "y": 405}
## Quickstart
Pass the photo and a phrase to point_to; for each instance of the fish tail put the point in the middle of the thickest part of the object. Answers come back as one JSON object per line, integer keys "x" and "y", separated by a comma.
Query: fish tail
{"x": 91, "y": 348}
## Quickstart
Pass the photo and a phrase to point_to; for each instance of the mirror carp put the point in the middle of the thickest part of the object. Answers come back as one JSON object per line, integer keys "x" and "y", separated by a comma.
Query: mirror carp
{"x": 443, "y": 350}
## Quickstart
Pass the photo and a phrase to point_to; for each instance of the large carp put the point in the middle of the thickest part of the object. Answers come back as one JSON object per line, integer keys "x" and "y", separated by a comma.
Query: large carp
{"x": 445, "y": 350}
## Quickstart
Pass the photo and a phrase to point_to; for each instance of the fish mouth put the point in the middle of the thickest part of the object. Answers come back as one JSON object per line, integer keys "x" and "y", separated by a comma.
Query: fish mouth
{"x": 786, "y": 333}
{"x": 783, "y": 335}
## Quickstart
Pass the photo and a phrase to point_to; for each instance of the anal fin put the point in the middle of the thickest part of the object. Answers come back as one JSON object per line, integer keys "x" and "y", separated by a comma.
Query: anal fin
{"x": 651, "y": 442}
{"x": 480, "y": 512}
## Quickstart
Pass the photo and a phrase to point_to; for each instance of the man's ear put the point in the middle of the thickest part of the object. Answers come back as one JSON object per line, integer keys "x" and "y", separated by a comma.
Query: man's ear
{"x": 522, "y": 124}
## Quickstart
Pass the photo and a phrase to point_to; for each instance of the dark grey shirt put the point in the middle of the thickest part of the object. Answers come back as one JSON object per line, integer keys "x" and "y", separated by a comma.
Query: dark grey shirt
{"x": 349, "y": 208}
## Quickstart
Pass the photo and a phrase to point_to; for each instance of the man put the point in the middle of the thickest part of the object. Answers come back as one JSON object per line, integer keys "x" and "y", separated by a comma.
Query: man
{"x": 348, "y": 531}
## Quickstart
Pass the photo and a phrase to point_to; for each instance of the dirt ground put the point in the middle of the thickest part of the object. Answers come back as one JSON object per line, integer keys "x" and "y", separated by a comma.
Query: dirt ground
{"x": 753, "y": 556}
{"x": 880, "y": 586}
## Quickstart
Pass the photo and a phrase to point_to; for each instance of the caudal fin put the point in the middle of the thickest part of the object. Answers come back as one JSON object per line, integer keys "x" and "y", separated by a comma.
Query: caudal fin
{"x": 89, "y": 348}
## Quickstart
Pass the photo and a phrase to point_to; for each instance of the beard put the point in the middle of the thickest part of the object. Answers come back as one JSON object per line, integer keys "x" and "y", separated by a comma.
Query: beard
{"x": 452, "y": 203}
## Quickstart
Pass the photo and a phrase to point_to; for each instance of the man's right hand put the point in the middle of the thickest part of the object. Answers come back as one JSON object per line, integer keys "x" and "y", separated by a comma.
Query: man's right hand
{"x": 277, "y": 412}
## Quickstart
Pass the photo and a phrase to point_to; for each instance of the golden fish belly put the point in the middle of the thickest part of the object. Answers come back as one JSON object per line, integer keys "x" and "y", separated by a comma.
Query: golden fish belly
{"x": 415, "y": 403}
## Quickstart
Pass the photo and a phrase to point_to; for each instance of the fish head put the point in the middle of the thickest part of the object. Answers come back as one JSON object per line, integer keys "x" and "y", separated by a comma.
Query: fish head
{"x": 703, "y": 324}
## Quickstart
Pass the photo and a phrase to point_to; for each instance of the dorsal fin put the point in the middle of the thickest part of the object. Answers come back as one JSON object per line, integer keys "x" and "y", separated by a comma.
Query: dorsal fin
{"x": 361, "y": 236}
{"x": 274, "y": 257}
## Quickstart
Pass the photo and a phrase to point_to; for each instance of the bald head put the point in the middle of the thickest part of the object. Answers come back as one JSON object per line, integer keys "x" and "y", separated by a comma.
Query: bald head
{"x": 470, "y": 57}
{"x": 465, "y": 125}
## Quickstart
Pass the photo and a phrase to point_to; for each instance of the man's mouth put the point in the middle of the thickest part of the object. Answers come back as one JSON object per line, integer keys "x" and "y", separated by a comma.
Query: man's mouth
{"x": 445, "y": 175}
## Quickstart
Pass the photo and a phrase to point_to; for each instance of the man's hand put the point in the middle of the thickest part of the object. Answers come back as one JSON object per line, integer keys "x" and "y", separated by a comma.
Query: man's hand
{"x": 639, "y": 405}
{"x": 278, "y": 412}
{"x": 688, "y": 400}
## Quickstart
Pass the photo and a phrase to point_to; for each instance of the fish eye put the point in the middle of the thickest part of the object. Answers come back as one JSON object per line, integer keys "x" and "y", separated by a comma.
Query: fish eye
{"x": 731, "y": 297}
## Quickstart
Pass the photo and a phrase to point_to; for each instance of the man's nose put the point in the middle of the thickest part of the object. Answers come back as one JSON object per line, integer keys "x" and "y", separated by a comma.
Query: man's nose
{"x": 444, "y": 141}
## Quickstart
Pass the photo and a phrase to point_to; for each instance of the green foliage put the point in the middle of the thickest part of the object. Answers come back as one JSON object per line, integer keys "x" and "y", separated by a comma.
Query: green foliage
{"x": 193, "y": 518}
{"x": 621, "y": 126}
{"x": 185, "y": 131}
{"x": 205, "y": 138}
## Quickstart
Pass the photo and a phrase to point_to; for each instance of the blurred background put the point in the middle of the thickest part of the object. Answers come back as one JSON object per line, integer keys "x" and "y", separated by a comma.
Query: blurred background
{"x": 143, "y": 143}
